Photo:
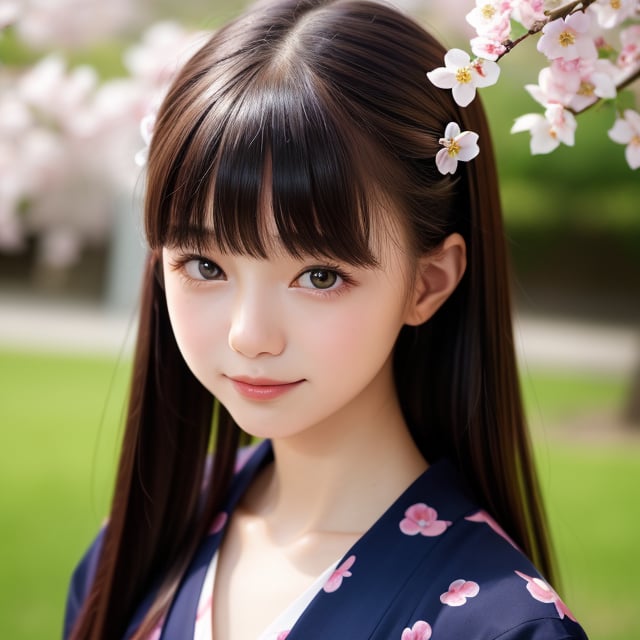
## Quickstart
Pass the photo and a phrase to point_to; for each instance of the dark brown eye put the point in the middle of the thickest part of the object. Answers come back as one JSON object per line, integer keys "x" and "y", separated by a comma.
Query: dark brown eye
{"x": 208, "y": 269}
{"x": 322, "y": 278}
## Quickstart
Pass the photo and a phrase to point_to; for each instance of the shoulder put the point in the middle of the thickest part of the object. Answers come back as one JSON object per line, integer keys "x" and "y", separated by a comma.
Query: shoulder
{"x": 81, "y": 580}
{"x": 485, "y": 587}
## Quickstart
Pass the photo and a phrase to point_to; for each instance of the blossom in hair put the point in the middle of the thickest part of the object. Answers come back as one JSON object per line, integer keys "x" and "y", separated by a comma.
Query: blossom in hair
{"x": 458, "y": 146}
{"x": 626, "y": 130}
{"x": 463, "y": 75}
{"x": 568, "y": 38}
{"x": 547, "y": 132}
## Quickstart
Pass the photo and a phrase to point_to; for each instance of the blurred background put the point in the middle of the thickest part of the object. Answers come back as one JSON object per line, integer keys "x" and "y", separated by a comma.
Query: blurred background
{"x": 76, "y": 78}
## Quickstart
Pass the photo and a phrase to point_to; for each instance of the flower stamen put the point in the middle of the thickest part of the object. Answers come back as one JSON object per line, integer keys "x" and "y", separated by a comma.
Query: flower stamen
{"x": 566, "y": 39}
{"x": 463, "y": 75}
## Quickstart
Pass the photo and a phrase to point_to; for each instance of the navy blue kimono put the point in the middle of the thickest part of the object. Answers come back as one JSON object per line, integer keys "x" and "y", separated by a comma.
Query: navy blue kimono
{"x": 434, "y": 566}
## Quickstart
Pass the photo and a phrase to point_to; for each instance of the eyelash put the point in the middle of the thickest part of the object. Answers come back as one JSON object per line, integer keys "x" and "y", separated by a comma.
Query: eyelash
{"x": 180, "y": 263}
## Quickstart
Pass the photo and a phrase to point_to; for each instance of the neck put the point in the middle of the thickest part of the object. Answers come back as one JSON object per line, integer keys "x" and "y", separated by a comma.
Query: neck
{"x": 338, "y": 477}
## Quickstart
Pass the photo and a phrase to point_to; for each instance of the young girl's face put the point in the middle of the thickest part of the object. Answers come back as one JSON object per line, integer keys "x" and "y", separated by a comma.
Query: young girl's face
{"x": 290, "y": 344}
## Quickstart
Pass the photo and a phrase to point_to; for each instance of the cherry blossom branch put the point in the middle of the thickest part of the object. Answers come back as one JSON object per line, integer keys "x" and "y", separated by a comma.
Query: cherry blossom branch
{"x": 537, "y": 27}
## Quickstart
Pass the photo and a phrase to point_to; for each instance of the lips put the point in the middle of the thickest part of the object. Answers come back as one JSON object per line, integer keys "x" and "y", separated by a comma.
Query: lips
{"x": 262, "y": 388}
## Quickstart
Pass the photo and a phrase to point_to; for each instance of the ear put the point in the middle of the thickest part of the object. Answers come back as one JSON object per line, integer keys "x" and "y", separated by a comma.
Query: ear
{"x": 437, "y": 275}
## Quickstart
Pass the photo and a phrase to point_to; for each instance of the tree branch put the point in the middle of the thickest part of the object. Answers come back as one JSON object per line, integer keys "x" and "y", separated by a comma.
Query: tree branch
{"x": 537, "y": 27}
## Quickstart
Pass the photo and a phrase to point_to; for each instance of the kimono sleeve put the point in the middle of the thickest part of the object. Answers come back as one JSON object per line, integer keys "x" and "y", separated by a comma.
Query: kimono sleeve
{"x": 80, "y": 584}
{"x": 545, "y": 629}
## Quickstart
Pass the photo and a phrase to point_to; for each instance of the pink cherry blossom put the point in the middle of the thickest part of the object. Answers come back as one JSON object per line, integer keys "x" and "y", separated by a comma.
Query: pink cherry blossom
{"x": 543, "y": 592}
{"x": 490, "y": 18}
{"x": 282, "y": 635}
{"x": 528, "y": 12}
{"x": 554, "y": 89}
{"x": 463, "y": 76}
{"x": 483, "y": 517}
{"x": 421, "y": 630}
{"x": 335, "y": 579}
{"x": 574, "y": 83}
{"x": 420, "y": 518}
{"x": 218, "y": 523}
{"x": 611, "y": 13}
{"x": 459, "y": 591}
{"x": 596, "y": 80}
{"x": 547, "y": 132}
{"x": 568, "y": 38}
{"x": 626, "y": 130}
{"x": 486, "y": 48}
{"x": 73, "y": 23}
{"x": 630, "y": 51}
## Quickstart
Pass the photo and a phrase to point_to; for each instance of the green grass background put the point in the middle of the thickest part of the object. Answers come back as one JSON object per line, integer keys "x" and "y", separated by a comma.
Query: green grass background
{"x": 61, "y": 420}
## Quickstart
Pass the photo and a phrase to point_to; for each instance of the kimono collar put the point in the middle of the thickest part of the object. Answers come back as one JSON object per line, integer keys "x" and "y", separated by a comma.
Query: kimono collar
{"x": 380, "y": 567}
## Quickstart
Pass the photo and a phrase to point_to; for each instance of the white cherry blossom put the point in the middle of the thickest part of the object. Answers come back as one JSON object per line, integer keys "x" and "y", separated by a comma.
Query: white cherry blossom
{"x": 626, "y": 130}
{"x": 457, "y": 146}
{"x": 547, "y": 132}
{"x": 463, "y": 75}
{"x": 611, "y": 13}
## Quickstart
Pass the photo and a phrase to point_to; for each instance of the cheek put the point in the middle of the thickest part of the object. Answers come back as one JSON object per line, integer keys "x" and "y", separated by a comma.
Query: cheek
{"x": 354, "y": 334}
{"x": 195, "y": 325}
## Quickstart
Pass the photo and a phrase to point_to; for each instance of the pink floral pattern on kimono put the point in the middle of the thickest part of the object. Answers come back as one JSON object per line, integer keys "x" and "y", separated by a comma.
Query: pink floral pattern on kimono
{"x": 421, "y": 630}
{"x": 335, "y": 579}
{"x": 218, "y": 523}
{"x": 483, "y": 516}
{"x": 282, "y": 635}
{"x": 422, "y": 519}
{"x": 543, "y": 592}
{"x": 459, "y": 591}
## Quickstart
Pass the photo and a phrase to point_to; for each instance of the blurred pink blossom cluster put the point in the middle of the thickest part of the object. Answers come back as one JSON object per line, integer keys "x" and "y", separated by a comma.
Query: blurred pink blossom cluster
{"x": 68, "y": 138}
{"x": 73, "y": 23}
{"x": 592, "y": 52}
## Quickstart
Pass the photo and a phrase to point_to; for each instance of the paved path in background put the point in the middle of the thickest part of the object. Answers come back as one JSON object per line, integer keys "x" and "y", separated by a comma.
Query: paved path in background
{"x": 36, "y": 325}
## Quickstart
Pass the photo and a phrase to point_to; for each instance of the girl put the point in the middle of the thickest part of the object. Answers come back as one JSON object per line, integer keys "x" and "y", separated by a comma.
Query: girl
{"x": 317, "y": 282}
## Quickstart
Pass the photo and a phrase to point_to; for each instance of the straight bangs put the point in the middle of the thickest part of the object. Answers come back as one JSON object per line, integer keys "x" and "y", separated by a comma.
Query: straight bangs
{"x": 267, "y": 165}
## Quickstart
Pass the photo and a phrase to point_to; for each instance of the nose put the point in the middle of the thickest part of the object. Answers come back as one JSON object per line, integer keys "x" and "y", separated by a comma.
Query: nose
{"x": 255, "y": 325}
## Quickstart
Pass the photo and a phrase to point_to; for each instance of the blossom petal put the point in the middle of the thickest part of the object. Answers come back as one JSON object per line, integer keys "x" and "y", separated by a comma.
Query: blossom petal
{"x": 486, "y": 73}
{"x": 442, "y": 78}
{"x": 464, "y": 94}
{"x": 632, "y": 155}
{"x": 446, "y": 164}
{"x": 457, "y": 58}
{"x": 452, "y": 130}
{"x": 526, "y": 122}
